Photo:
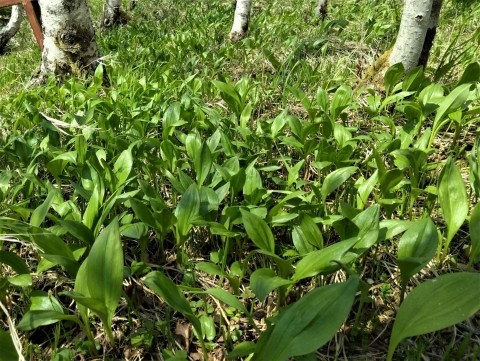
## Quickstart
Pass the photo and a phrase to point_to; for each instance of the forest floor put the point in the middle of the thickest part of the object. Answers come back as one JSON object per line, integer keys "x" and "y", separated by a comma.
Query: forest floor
{"x": 242, "y": 180}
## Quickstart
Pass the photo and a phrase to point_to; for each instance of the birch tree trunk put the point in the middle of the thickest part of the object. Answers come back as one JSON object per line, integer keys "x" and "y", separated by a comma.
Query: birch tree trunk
{"x": 69, "y": 39}
{"x": 111, "y": 13}
{"x": 9, "y": 31}
{"x": 431, "y": 32}
{"x": 416, "y": 20}
{"x": 322, "y": 9}
{"x": 241, "y": 19}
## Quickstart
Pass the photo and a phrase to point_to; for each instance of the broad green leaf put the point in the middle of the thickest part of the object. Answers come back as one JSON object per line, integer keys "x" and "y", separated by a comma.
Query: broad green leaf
{"x": 471, "y": 74}
{"x": 284, "y": 266}
{"x": 449, "y": 104}
{"x": 336, "y": 179}
{"x": 340, "y": 101}
{"x": 365, "y": 189}
{"x": 429, "y": 97}
{"x": 453, "y": 101}
{"x": 123, "y": 167}
{"x": 100, "y": 277}
{"x": 115, "y": 199}
{"x": 415, "y": 79}
{"x": 258, "y": 231}
{"x": 435, "y": 305}
{"x": 245, "y": 116}
{"x": 55, "y": 250}
{"x": 227, "y": 298}
{"x": 367, "y": 220}
{"x": 134, "y": 230}
{"x": 169, "y": 292}
{"x": 452, "y": 196}
{"x": 203, "y": 163}
{"x": 230, "y": 96}
{"x": 193, "y": 145}
{"x": 278, "y": 123}
{"x": 171, "y": 119}
{"x": 91, "y": 212}
{"x": 392, "y": 77}
{"x": 63, "y": 354}
{"x": 300, "y": 242}
{"x": 474, "y": 227}
{"x": 307, "y": 233}
{"x": 264, "y": 280}
{"x": 390, "y": 180}
{"x": 9, "y": 352}
{"x": 42, "y": 301}
{"x": 209, "y": 202}
{"x": 243, "y": 349}
{"x": 395, "y": 99}
{"x": 104, "y": 270}
{"x": 187, "y": 209}
{"x": 16, "y": 262}
{"x": 322, "y": 261}
{"x": 178, "y": 356}
{"x": 24, "y": 280}
{"x": 143, "y": 213}
{"x": 309, "y": 323}
{"x": 85, "y": 303}
{"x": 209, "y": 268}
{"x": 34, "y": 319}
{"x": 39, "y": 214}
{"x": 416, "y": 248}
{"x": 394, "y": 227}
{"x": 293, "y": 173}
{"x": 208, "y": 327}
{"x": 253, "y": 185}
{"x": 78, "y": 230}
{"x": 237, "y": 181}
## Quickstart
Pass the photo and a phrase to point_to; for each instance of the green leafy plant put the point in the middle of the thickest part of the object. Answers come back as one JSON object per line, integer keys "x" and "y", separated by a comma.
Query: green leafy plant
{"x": 434, "y": 305}
{"x": 416, "y": 248}
{"x": 453, "y": 199}
{"x": 98, "y": 285}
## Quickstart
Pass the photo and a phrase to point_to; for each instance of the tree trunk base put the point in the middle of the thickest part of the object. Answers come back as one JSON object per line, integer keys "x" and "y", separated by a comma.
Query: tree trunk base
{"x": 374, "y": 74}
{"x": 236, "y": 36}
{"x": 113, "y": 18}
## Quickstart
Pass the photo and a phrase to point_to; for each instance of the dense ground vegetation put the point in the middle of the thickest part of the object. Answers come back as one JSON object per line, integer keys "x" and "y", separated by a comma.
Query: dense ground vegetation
{"x": 259, "y": 197}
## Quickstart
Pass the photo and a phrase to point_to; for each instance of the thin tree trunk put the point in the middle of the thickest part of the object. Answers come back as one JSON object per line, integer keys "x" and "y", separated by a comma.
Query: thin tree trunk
{"x": 241, "y": 19}
{"x": 322, "y": 10}
{"x": 11, "y": 28}
{"x": 411, "y": 36}
{"x": 111, "y": 13}
{"x": 69, "y": 39}
{"x": 431, "y": 32}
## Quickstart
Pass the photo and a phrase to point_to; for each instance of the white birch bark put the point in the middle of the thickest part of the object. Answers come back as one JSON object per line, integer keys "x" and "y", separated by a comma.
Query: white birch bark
{"x": 69, "y": 38}
{"x": 411, "y": 36}
{"x": 321, "y": 10}
{"x": 111, "y": 13}
{"x": 12, "y": 27}
{"x": 241, "y": 19}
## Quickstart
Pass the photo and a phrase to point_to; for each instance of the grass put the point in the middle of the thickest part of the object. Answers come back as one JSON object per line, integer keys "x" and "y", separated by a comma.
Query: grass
{"x": 226, "y": 178}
